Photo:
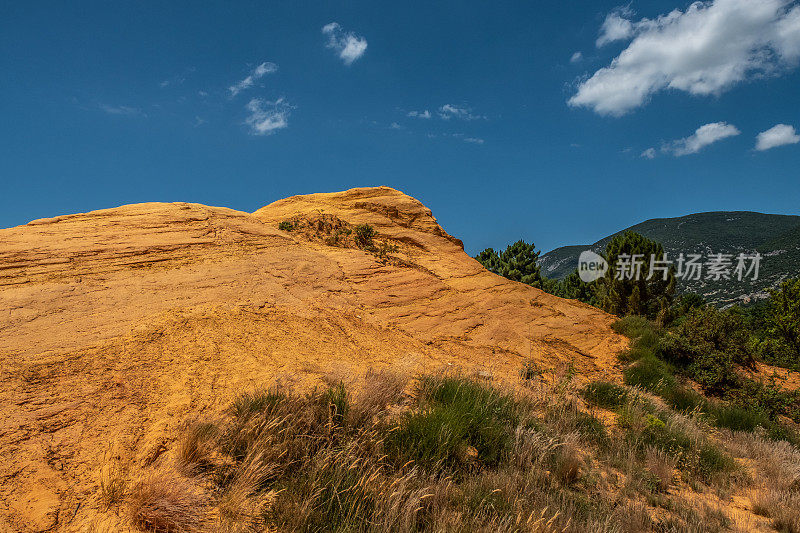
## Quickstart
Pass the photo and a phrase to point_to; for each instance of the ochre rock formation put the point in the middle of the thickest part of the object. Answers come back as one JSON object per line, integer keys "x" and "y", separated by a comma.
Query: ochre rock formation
{"x": 119, "y": 325}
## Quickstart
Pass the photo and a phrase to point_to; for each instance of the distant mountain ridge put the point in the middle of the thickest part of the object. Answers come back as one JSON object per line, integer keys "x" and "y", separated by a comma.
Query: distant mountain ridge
{"x": 775, "y": 237}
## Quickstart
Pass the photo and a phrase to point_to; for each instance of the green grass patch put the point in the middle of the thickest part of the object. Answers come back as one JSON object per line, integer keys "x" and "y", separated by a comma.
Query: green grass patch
{"x": 632, "y": 326}
{"x": 605, "y": 394}
{"x": 737, "y": 418}
{"x": 650, "y": 373}
{"x": 454, "y": 413}
{"x": 683, "y": 399}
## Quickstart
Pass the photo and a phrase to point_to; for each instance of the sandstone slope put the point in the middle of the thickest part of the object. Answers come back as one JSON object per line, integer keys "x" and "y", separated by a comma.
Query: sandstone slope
{"x": 118, "y": 325}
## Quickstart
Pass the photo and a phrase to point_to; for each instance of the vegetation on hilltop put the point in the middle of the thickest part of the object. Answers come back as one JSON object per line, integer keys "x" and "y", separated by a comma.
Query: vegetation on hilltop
{"x": 640, "y": 294}
{"x": 776, "y": 237}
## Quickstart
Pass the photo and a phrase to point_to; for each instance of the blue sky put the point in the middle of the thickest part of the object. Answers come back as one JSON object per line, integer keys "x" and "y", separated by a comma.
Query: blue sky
{"x": 556, "y": 122}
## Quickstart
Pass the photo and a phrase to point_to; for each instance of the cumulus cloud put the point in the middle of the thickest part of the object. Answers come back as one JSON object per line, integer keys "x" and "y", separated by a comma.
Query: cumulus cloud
{"x": 702, "y": 137}
{"x": 347, "y": 44}
{"x": 420, "y": 114}
{"x": 267, "y": 117}
{"x": 259, "y": 72}
{"x": 704, "y": 50}
{"x": 778, "y": 135}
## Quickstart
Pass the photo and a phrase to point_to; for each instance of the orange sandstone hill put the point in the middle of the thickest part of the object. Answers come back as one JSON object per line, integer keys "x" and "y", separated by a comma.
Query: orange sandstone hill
{"x": 118, "y": 325}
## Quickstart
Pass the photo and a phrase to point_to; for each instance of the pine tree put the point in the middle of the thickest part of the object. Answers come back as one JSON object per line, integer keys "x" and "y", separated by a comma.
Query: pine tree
{"x": 784, "y": 315}
{"x": 637, "y": 295}
{"x": 519, "y": 262}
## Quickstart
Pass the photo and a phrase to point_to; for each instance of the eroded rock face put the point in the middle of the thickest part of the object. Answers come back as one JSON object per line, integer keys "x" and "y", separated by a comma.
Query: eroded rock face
{"x": 116, "y": 326}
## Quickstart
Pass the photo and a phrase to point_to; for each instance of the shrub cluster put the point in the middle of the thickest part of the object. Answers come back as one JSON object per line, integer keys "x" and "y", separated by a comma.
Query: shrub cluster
{"x": 708, "y": 347}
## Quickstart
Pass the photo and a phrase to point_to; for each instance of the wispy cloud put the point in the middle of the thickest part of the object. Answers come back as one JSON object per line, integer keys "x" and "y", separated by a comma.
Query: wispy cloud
{"x": 449, "y": 111}
{"x": 576, "y": 57}
{"x": 267, "y": 117}
{"x": 395, "y": 126}
{"x": 347, "y": 45}
{"x": 120, "y": 110}
{"x": 178, "y": 79}
{"x": 778, "y": 135}
{"x": 704, "y": 136}
{"x": 704, "y": 50}
{"x": 257, "y": 73}
{"x": 650, "y": 153}
{"x": 419, "y": 114}
{"x": 473, "y": 140}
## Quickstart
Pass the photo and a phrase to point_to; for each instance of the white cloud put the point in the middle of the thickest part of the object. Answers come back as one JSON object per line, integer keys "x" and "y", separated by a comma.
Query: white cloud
{"x": 347, "y": 44}
{"x": 396, "y": 126}
{"x": 702, "y": 137}
{"x": 778, "y": 135}
{"x": 704, "y": 50}
{"x": 120, "y": 110}
{"x": 259, "y": 72}
{"x": 449, "y": 111}
{"x": 616, "y": 27}
{"x": 473, "y": 140}
{"x": 650, "y": 153}
{"x": 420, "y": 114}
{"x": 268, "y": 117}
{"x": 177, "y": 80}
{"x": 576, "y": 57}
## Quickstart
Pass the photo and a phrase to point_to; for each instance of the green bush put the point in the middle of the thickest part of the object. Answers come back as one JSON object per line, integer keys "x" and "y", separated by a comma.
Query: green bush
{"x": 708, "y": 331}
{"x": 683, "y": 399}
{"x": 712, "y": 461}
{"x": 590, "y": 428}
{"x": 766, "y": 397}
{"x": 784, "y": 315}
{"x": 454, "y": 413}
{"x": 285, "y": 225}
{"x": 658, "y": 435}
{"x": 364, "y": 236}
{"x": 650, "y": 373}
{"x": 605, "y": 394}
{"x": 714, "y": 372}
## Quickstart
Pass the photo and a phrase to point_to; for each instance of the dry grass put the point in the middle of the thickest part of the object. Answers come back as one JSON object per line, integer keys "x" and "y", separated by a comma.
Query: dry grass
{"x": 662, "y": 466}
{"x": 113, "y": 486}
{"x": 776, "y": 487}
{"x": 166, "y": 502}
{"x": 536, "y": 460}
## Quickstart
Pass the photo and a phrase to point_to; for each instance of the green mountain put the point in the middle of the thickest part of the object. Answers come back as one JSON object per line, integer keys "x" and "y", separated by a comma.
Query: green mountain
{"x": 775, "y": 237}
